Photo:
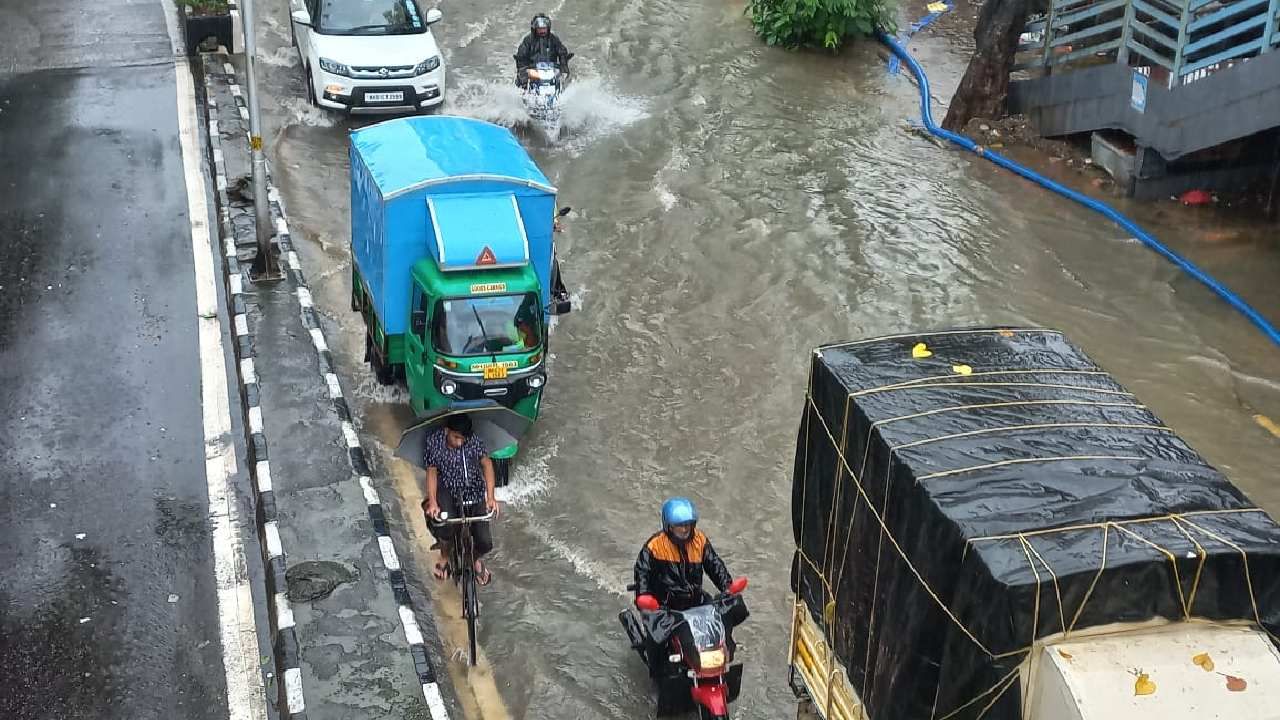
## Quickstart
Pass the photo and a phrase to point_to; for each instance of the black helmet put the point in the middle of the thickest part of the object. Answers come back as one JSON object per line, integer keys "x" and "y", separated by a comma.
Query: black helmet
{"x": 539, "y": 21}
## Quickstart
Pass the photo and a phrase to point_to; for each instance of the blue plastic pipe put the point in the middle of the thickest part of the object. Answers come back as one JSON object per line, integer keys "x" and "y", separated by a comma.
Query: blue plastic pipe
{"x": 1130, "y": 226}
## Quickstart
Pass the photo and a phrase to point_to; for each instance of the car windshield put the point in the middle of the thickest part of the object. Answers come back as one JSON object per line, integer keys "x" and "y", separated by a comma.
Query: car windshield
{"x": 487, "y": 325}
{"x": 370, "y": 17}
{"x": 705, "y": 626}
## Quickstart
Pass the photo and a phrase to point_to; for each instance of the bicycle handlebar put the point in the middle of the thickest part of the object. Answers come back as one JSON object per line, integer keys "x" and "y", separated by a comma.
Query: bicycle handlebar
{"x": 444, "y": 519}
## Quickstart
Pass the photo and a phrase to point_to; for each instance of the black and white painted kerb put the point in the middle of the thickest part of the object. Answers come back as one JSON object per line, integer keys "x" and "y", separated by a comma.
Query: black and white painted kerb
{"x": 285, "y": 642}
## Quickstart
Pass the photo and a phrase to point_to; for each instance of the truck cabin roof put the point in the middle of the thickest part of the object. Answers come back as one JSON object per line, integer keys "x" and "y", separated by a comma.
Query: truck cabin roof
{"x": 406, "y": 154}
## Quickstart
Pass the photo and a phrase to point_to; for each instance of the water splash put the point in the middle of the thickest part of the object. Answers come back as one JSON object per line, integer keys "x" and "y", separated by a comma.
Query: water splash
{"x": 303, "y": 113}
{"x": 282, "y": 57}
{"x": 590, "y": 108}
{"x": 531, "y": 478}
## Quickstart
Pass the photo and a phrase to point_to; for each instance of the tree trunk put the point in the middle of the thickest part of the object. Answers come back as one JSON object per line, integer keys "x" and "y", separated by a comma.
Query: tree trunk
{"x": 984, "y": 89}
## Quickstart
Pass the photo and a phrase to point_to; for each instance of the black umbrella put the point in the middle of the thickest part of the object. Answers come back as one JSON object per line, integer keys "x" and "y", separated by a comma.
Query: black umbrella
{"x": 498, "y": 426}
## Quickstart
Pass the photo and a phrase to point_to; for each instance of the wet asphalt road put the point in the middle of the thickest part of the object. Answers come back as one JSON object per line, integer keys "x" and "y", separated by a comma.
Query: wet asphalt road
{"x": 107, "y": 596}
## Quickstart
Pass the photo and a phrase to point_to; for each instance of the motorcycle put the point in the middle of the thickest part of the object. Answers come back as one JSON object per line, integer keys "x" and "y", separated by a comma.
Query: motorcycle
{"x": 690, "y": 652}
{"x": 541, "y": 95}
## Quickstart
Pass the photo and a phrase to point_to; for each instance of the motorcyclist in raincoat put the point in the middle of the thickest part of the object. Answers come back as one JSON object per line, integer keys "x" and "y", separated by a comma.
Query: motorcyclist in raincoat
{"x": 540, "y": 45}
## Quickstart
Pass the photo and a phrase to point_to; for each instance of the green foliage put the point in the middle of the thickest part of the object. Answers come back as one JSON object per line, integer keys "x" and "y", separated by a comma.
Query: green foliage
{"x": 205, "y": 7}
{"x": 819, "y": 23}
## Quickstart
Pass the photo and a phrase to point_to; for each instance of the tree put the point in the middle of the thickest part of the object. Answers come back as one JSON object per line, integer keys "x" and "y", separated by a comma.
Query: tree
{"x": 819, "y": 23}
{"x": 984, "y": 89}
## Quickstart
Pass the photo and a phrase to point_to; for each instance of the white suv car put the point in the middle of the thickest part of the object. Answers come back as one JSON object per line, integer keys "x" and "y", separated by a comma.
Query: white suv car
{"x": 368, "y": 56}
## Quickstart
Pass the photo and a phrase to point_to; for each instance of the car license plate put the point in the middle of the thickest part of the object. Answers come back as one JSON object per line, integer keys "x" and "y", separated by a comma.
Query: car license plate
{"x": 385, "y": 97}
{"x": 495, "y": 372}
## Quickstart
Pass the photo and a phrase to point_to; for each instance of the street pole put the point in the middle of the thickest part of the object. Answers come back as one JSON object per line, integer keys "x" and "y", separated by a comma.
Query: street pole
{"x": 264, "y": 265}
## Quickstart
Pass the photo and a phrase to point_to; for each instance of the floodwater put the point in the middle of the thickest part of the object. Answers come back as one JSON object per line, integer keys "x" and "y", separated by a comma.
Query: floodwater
{"x": 735, "y": 206}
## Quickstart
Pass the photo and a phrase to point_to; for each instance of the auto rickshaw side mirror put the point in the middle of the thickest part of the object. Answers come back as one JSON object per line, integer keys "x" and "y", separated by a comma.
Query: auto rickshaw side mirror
{"x": 564, "y": 211}
{"x": 561, "y": 307}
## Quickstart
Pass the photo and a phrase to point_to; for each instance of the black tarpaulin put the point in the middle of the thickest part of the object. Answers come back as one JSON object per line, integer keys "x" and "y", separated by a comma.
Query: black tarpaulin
{"x": 958, "y": 495}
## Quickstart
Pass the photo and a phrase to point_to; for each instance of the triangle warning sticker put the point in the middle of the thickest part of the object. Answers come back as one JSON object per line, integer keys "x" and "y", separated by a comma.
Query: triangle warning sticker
{"x": 486, "y": 257}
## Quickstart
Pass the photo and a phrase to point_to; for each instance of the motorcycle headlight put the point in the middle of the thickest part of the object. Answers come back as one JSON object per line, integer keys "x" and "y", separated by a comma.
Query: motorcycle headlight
{"x": 448, "y": 387}
{"x": 711, "y": 659}
{"x": 336, "y": 68}
{"x": 537, "y": 381}
{"x": 427, "y": 65}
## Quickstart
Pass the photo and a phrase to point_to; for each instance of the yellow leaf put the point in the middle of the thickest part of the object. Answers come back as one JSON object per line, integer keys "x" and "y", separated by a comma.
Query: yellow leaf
{"x": 921, "y": 351}
{"x": 962, "y": 369}
{"x": 1065, "y": 654}
{"x": 1006, "y": 333}
{"x": 1144, "y": 686}
{"x": 1204, "y": 661}
{"x": 938, "y": 7}
{"x": 829, "y": 611}
{"x": 1235, "y": 684}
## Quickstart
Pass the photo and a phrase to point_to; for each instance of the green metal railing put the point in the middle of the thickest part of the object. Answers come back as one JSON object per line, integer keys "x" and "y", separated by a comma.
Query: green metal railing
{"x": 1187, "y": 39}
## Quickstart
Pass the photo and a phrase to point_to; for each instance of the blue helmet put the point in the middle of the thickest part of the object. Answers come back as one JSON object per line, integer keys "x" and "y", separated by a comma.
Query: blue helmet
{"x": 678, "y": 511}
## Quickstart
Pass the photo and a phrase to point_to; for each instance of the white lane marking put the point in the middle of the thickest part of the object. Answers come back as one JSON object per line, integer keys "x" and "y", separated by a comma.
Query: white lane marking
{"x": 284, "y": 613}
{"x": 349, "y": 432}
{"x": 255, "y": 421}
{"x": 317, "y": 339}
{"x": 294, "y": 264}
{"x": 304, "y": 297}
{"x": 271, "y": 530}
{"x": 242, "y": 325}
{"x": 237, "y": 285}
{"x": 370, "y": 495}
{"x": 435, "y": 703}
{"x": 263, "y": 471}
{"x": 411, "y": 631}
{"x": 228, "y": 69}
{"x": 248, "y": 373}
{"x": 237, "y": 628}
{"x": 335, "y": 390}
{"x": 293, "y": 690}
{"x": 281, "y": 227}
{"x": 388, "y": 550}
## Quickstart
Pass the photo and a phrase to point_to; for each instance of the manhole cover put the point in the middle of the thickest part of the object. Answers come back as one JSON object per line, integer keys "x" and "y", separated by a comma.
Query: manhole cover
{"x": 315, "y": 579}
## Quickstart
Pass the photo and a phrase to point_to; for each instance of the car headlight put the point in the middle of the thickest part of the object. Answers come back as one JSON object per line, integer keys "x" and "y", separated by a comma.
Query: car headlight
{"x": 537, "y": 381}
{"x": 427, "y": 65}
{"x": 448, "y": 387}
{"x": 711, "y": 659}
{"x": 336, "y": 68}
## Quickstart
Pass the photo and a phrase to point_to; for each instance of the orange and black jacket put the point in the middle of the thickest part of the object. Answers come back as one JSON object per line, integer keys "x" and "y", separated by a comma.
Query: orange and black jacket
{"x": 672, "y": 572}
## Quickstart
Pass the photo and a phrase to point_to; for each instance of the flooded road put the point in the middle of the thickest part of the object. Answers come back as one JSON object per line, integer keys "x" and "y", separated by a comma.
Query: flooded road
{"x": 736, "y": 206}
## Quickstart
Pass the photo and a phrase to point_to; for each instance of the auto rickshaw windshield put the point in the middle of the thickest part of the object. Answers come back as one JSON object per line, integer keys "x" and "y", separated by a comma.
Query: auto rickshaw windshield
{"x": 487, "y": 325}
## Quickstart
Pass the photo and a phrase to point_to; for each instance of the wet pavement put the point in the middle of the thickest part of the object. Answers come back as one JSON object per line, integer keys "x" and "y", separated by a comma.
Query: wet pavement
{"x": 735, "y": 206}
{"x": 108, "y": 603}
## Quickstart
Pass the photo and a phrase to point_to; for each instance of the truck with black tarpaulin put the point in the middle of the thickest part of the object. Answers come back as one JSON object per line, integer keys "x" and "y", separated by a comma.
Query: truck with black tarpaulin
{"x": 988, "y": 526}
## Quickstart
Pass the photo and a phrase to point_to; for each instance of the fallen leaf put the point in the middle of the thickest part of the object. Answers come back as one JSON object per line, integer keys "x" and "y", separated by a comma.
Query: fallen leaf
{"x": 829, "y": 612}
{"x": 921, "y": 351}
{"x": 1144, "y": 686}
{"x": 1204, "y": 661}
{"x": 1065, "y": 654}
{"x": 962, "y": 369}
{"x": 1006, "y": 333}
{"x": 1235, "y": 684}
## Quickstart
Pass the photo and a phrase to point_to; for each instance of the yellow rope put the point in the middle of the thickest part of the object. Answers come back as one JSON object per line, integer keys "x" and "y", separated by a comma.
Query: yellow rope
{"x": 987, "y": 373}
{"x": 1055, "y": 386}
{"x": 942, "y": 333}
{"x": 901, "y": 553}
{"x": 1037, "y": 426}
{"x": 1020, "y": 461}
{"x": 1104, "y": 523}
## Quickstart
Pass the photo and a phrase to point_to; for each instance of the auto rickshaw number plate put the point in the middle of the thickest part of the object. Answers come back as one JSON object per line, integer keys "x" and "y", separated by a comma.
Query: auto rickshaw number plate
{"x": 495, "y": 372}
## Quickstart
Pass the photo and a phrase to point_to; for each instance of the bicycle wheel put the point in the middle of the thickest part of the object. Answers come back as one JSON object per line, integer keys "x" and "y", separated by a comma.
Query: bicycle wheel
{"x": 470, "y": 607}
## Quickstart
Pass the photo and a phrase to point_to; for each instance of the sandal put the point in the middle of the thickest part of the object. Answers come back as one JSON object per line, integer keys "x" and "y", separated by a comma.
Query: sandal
{"x": 484, "y": 578}
{"x": 442, "y": 570}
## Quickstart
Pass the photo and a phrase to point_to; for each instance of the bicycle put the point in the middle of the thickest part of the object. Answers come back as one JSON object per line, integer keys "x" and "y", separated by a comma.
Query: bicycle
{"x": 462, "y": 567}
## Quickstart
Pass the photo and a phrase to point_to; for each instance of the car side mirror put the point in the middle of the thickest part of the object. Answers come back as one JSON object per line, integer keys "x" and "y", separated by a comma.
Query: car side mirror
{"x": 434, "y": 16}
{"x": 418, "y": 321}
{"x": 647, "y": 603}
{"x": 737, "y": 586}
{"x": 302, "y": 17}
